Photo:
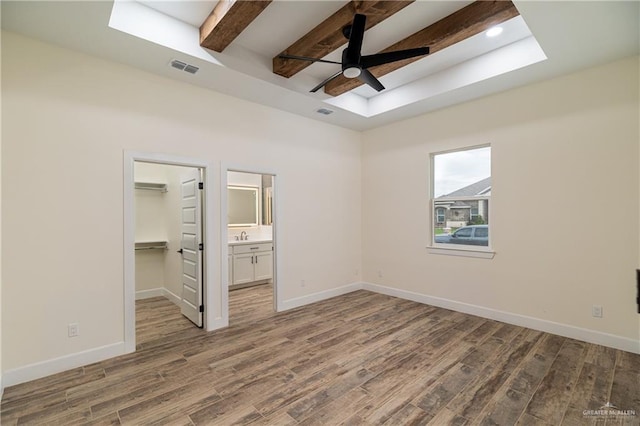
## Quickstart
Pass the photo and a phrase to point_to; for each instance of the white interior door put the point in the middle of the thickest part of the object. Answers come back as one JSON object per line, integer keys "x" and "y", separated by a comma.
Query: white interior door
{"x": 191, "y": 236}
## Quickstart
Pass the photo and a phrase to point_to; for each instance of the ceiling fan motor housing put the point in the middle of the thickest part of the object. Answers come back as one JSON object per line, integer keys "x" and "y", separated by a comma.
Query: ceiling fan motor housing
{"x": 350, "y": 65}
{"x": 353, "y": 64}
{"x": 346, "y": 31}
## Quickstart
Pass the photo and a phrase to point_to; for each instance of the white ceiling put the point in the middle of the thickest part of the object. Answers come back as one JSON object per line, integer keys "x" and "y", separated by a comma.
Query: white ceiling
{"x": 548, "y": 39}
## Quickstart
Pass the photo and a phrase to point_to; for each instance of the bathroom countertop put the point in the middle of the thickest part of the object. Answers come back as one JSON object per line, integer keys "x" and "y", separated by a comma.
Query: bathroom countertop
{"x": 237, "y": 243}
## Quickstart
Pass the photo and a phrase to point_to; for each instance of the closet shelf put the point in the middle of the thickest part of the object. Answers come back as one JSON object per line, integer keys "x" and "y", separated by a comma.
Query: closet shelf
{"x": 151, "y": 245}
{"x": 151, "y": 186}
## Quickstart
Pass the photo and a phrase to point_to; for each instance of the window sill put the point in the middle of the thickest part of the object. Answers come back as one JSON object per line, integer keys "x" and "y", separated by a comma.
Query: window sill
{"x": 464, "y": 252}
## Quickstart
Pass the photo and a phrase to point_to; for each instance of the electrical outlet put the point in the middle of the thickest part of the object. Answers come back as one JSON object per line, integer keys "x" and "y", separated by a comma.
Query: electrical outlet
{"x": 596, "y": 311}
{"x": 302, "y": 283}
{"x": 379, "y": 274}
{"x": 73, "y": 329}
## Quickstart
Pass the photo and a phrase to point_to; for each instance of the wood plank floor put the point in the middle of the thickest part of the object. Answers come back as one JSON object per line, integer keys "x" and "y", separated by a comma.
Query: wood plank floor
{"x": 357, "y": 359}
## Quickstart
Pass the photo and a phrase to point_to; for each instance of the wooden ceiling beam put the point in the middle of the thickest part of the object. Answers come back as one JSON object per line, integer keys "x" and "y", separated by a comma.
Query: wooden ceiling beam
{"x": 327, "y": 36}
{"x": 466, "y": 22}
{"x": 227, "y": 20}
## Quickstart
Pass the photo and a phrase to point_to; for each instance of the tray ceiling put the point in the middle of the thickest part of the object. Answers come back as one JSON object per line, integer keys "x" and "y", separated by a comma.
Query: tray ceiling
{"x": 539, "y": 40}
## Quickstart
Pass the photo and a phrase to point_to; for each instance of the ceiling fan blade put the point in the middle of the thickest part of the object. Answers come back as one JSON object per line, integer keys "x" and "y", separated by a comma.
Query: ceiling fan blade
{"x": 398, "y": 55}
{"x": 366, "y": 77}
{"x": 306, "y": 58}
{"x": 319, "y": 86}
{"x": 352, "y": 53}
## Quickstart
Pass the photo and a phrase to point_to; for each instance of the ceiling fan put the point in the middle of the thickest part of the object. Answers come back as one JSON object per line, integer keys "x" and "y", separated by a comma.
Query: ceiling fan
{"x": 354, "y": 64}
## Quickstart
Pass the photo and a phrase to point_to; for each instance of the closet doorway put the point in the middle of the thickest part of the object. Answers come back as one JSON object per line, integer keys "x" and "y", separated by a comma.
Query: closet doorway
{"x": 168, "y": 235}
{"x": 250, "y": 215}
{"x": 167, "y": 248}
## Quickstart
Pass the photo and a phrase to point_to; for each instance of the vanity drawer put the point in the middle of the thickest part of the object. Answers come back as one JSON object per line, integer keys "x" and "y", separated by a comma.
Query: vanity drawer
{"x": 252, "y": 248}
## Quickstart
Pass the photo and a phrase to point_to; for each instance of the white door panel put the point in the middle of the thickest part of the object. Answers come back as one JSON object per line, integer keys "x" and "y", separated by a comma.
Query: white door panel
{"x": 188, "y": 190}
{"x": 189, "y": 216}
{"x": 189, "y": 239}
{"x": 190, "y": 296}
{"x": 191, "y": 229}
{"x": 189, "y": 270}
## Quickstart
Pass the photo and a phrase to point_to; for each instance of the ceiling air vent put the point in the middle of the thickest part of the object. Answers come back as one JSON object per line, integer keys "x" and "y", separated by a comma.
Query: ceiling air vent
{"x": 191, "y": 69}
{"x": 178, "y": 64}
{"x": 324, "y": 111}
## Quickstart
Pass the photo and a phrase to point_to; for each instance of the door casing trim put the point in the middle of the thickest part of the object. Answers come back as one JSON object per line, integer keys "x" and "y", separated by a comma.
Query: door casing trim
{"x": 213, "y": 318}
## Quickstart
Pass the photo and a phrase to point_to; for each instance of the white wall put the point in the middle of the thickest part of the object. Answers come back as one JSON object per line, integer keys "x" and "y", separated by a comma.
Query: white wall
{"x": 68, "y": 118}
{"x": 158, "y": 218}
{"x": 1, "y": 133}
{"x": 244, "y": 179}
{"x": 564, "y": 203}
{"x": 151, "y": 224}
{"x": 151, "y": 214}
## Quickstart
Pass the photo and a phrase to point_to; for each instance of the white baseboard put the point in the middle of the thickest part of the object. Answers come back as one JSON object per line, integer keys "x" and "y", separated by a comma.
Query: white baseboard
{"x": 147, "y": 294}
{"x": 578, "y": 333}
{"x": 57, "y": 365}
{"x": 217, "y": 324}
{"x": 158, "y": 292}
{"x": 177, "y": 300}
{"x": 317, "y": 297}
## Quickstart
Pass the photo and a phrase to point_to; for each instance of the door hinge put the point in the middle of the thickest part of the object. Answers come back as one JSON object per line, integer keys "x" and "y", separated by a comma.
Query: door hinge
{"x": 200, "y": 246}
{"x": 638, "y": 285}
{"x": 201, "y": 308}
{"x": 200, "y": 185}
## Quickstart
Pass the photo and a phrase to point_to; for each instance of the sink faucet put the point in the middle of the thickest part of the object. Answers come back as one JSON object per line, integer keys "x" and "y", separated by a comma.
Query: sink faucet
{"x": 243, "y": 235}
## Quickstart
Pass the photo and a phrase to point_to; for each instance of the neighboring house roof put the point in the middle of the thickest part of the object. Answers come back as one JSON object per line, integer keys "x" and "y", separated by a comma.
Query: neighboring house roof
{"x": 482, "y": 187}
{"x": 452, "y": 204}
{"x": 460, "y": 205}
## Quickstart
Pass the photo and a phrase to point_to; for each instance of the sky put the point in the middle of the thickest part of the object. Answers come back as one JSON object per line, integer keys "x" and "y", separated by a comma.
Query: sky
{"x": 455, "y": 170}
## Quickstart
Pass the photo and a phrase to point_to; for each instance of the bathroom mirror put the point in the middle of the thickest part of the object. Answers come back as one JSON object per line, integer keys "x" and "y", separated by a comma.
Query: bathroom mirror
{"x": 243, "y": 205}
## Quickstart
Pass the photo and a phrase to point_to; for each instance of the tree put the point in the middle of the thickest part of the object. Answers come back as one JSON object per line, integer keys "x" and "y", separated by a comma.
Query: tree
{"x": 478, "y": 220}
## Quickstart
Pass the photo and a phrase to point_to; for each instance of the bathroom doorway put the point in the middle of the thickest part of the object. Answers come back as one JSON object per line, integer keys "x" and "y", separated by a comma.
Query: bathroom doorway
{"x": 251, "y": 245}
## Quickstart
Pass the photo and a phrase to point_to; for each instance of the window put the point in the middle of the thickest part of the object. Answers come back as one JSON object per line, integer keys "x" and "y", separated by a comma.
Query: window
{"x": 461, "y": 184}
{"x": 463, "y": 233}
{"x": 482, "y": 233}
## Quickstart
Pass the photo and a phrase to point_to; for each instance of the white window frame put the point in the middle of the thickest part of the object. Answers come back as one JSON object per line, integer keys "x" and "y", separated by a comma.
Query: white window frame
{"x": 472, "y": 216}
{"x": 485, "y": 252}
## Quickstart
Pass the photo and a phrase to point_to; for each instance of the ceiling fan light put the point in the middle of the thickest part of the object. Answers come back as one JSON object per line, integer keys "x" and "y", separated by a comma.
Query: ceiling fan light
{"x": 351, "y": 72}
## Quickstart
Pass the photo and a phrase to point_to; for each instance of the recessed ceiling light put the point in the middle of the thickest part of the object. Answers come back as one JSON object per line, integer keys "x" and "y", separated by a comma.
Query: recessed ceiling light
{"x": 494, "y": 31}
